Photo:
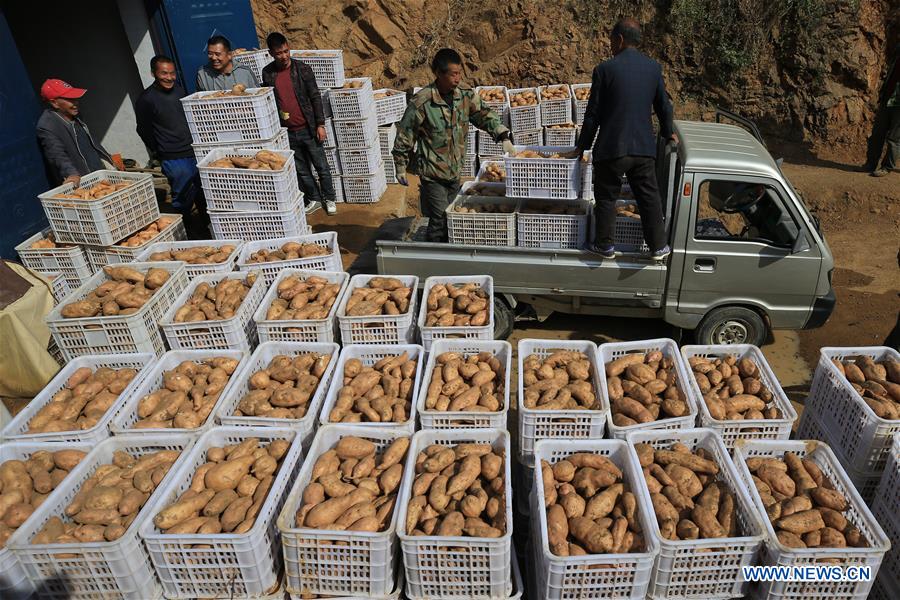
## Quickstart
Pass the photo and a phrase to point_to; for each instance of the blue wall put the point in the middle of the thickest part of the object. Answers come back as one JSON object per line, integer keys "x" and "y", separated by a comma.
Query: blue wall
{"x": 22, "y": 175}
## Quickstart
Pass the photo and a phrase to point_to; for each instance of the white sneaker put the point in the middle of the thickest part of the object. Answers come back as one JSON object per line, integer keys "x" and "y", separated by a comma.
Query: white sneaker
{"x": 313, "y": 207}
{"x": 330, "y": 207}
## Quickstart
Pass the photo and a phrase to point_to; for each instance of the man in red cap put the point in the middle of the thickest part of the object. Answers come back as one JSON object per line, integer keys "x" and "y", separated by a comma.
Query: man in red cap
{"x": 68, "y": 146}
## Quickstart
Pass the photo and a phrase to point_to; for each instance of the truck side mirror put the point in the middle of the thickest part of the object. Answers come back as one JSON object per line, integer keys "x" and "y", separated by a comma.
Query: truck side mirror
{"x": 801, "y": 244}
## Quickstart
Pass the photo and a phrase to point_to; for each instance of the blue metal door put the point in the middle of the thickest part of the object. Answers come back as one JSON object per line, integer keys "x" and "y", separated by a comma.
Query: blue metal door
{"x": 22, "y": 174}
{"x": 190, "y": 24}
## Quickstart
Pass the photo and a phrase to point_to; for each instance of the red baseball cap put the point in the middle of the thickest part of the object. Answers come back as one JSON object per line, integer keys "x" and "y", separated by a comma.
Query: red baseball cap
{"x": 57, "y": 88}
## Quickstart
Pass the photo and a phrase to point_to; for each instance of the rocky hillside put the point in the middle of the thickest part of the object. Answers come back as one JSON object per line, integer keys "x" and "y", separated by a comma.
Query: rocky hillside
{"x": 807, "y": 70}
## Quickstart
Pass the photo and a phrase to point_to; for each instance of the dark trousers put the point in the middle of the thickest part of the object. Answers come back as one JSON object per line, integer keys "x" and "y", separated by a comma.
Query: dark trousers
{"x": 641, "y": 172}
{"x": 187, "y": 193}
{"x": 309, "y": 154}
{"x": 434, "y": 198}
{"x": 885, "y": 129}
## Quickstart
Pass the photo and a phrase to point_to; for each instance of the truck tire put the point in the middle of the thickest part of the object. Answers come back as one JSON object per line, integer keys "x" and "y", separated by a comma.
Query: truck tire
{"x": 504, "y": 319}
{"x": 732, "y": 325}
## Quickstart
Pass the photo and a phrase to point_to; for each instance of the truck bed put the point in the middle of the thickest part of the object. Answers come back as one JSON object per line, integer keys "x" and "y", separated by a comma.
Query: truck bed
{"x": 573, "y": 277}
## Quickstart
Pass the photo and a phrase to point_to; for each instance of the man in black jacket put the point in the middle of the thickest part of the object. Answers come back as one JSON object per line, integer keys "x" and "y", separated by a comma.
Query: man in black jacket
{"x": 68, "y": 146}
{"x": 623, "y": 91}
{"x": 300, "y": 108}
{"x": 164, "y": 130}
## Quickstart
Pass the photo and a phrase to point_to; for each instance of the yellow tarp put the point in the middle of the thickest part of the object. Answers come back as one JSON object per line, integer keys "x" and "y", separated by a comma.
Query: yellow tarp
{"x": 25, "y": 365}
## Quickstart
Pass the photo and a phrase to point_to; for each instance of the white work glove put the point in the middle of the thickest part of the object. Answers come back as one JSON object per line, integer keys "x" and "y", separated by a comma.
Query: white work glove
{"x": 508, "y": 147}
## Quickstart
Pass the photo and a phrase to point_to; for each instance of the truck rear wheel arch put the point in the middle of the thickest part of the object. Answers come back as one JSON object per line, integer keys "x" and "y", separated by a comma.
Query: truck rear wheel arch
{"x": 732, "y": 324}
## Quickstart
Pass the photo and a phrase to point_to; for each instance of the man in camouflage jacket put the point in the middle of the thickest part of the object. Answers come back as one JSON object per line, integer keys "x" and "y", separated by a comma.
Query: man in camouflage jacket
{"x": 438, "y": 118}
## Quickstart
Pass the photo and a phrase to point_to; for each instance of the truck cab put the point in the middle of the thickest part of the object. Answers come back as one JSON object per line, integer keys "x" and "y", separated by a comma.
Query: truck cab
{"x": 747, "y": 255}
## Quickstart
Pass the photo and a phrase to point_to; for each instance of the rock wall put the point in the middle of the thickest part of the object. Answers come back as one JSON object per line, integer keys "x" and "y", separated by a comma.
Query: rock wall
{"x": 808, "y": 77}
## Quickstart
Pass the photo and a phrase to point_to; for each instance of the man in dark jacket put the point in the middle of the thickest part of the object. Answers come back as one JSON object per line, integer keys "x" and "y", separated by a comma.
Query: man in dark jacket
{"x": 163, "y": 128}
{"x": 886, "y": 128}
{"x": 68, "y": 146}
{"x": 624, "y": 89}
{"x": 300, "y": 108}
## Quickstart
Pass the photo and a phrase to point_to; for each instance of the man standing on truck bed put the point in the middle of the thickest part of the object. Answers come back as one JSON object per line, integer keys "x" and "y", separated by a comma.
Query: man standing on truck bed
{"x": 438, "y": 118}
{"x": 623, "y": 91}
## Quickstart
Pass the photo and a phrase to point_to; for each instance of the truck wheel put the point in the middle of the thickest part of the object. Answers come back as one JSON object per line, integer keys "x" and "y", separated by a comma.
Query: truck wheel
{"x": 504, "y": 319}
{"x": 731, "y": 325}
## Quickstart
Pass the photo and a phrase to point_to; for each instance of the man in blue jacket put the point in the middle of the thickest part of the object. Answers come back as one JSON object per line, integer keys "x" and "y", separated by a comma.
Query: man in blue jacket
{"x": 624, "y": 89}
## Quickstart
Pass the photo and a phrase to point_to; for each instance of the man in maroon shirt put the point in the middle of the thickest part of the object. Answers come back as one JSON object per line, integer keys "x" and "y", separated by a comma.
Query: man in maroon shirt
{"x": 300, "y": 108}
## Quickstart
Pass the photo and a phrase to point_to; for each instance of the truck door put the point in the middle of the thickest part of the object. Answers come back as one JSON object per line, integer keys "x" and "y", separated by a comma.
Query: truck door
{"x": 746, "y": 246}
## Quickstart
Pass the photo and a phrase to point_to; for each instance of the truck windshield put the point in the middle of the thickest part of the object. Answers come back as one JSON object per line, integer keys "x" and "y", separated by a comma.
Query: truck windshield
{"x": 801, "y": 202}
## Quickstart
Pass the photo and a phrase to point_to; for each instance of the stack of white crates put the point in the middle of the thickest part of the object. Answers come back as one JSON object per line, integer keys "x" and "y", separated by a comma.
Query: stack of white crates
{"x": 244, "y": 204}
{"x": 356, "y": 129}
{"x": 389, "y": 108}
{"x": 255, "y": 60}
{"x": 485, "y": 146}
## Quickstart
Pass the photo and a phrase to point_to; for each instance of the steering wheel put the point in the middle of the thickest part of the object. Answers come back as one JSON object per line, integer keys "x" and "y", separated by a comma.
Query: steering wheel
{"x": 743, "y": 198}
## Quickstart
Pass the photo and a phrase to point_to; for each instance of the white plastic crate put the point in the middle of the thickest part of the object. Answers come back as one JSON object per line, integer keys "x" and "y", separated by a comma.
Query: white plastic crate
{"x": 369, "y": 354}
{"x": 117, "y": 569}
{"x": 327, "y": 66}
{"x": 537, "y": 424}
{"x": 277, "y": 142}
{"x": 889, "y": 573}
{"x": 525, "y": 118}
{"x": 270, "y": 270}
{"x": 104, "y": 221}
{"x": 531, "y": 137}
{"x": 353, "y": 104}
{"x": 233, "y": 565}
{"x": 138, "y": 332}
{"x": 866, "y": 483}
{"x": 862, "y": 436}
{"x": 553, "y": 230}
{"x": 100, "y": 256}
{"x": 629, "y": 232}
{"x": 292, "y": 330}
{"x": 248, "y": 189}
{"x": 775, "y": 553}
{"x": 482, "y": 169}
{"x": 587, "y": 176}
{"x": 334, "y": 163}
{"x": 554, "y": 112}
{"x": 378, "y": 329}
{"x": 432, "y": 419}
{"x": 482, "y": 229}
{"x": 467, "y": 332}
{"x": 556, "y": 178}
{"x": 888, "y": 493}
{"x": 580, "y": 106}
{"x": 560, "y": 136}
{"x": 125, "y": 418}
{"x": 193, "y": 270}
{"x": 501, "y": 108}
{"x": 259, "y": 360}
{"x": 326, "y": 101}
{"x": 365, "y": 189}
{"x": 611, "y": 351}
{"x": 389, "y": 109}
{"x": 470, "y": 166}
{"x": 55, "y": 353}
{"x": 471, "y": 139}
{"x": 390, "y": 170}
{"x": 457, "y": 568}
{"x": 330, "y": 137}
{"x": 338, "y": 184}
{"x": 260, "y": 225}
{"x": 321, "y": 561}
{"x": 14, "y": 580}
{"x": 360, "y": 161}
{"x": 17, "y": 428}
{"x": 254, "y": 60}
{"x": 59, "y": 286}
{"x": 731, "y": 431}
{"x": 357, "y": 134}
{"x": 625, "y": 575}
{"x": 71, "y": 261}
{"x": 703, "y": 568}
{"x": 386, "y": 138}
{"x": 234, "y": 333}
{"x": 250, "y": 117}
{"x": 486, "y": 144}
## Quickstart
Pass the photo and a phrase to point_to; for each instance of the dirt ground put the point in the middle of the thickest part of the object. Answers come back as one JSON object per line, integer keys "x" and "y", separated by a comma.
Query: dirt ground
{"x": 860, "y": 216}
